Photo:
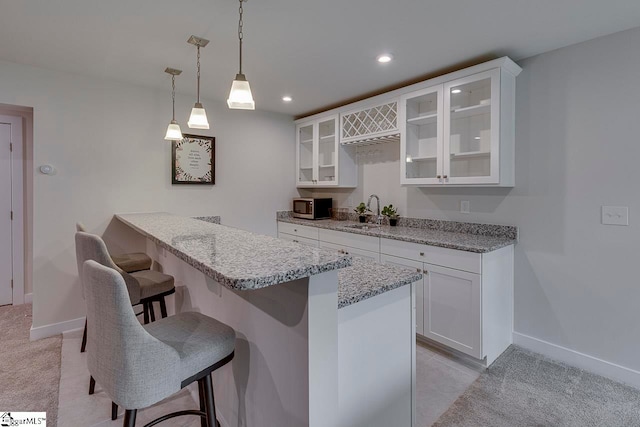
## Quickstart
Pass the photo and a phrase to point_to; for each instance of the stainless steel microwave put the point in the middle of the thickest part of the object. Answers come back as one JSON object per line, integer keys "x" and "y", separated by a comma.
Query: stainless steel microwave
{"x": 312, "y": 208}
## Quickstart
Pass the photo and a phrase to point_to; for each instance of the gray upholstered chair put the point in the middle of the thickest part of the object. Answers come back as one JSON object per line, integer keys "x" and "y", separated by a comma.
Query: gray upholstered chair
{"x": 145, "y": 287}
{"x": 138, "y": 365}
{"x": 131, "y": 262}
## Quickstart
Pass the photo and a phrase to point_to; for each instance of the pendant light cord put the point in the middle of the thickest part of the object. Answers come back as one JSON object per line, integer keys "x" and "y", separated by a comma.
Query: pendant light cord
{"x": 240, "y": 34}
{"x": 198, "y": 74}
{"x": 173, "y": 95}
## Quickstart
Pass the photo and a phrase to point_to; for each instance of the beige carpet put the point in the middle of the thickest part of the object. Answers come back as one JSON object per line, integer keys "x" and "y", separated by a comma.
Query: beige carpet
{"x": 29, "y": 371}
{"x": 526, "y": 389}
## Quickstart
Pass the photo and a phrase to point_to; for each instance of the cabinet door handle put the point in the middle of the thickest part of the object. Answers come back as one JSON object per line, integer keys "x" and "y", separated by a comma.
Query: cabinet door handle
{"x": 418, "y": 270}
{"x": 421, "y": 253}
{"x": 445, "y": 177}
{"x": 425, "y": 272}
{"x": 438, "y": 176}
{"x": 295, "y": 241}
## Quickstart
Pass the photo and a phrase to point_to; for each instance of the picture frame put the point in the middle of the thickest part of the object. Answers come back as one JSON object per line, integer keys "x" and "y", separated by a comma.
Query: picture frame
{"x": 193, "y": 160}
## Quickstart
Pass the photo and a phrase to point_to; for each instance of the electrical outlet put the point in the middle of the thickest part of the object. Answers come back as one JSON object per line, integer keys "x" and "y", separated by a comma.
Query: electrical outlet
{"x": 350, "y": 201}
{"x": 464, "y": 206}
{"x": 615, "y": 215}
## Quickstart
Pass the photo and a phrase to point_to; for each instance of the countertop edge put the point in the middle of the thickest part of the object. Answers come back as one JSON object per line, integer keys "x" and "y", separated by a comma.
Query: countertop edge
{"x": 381, "y": 234}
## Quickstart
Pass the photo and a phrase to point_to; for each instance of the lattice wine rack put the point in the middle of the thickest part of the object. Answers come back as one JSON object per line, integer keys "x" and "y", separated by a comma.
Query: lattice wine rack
{"x": 371, "y": 126}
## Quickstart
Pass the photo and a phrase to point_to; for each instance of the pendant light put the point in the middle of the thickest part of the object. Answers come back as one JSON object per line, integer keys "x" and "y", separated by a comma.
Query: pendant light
{"x": 198, "y": 118}
{"x": 173, "y": 130}
{"x": 240, "y": 97}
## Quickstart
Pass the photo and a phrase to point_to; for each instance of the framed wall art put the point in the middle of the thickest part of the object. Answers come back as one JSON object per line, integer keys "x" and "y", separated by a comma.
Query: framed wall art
{"x": 193, "y": 160}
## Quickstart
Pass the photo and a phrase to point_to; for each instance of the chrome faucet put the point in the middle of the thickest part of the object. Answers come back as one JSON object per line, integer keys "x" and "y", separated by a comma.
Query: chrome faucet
{"x": 379, "y": 221}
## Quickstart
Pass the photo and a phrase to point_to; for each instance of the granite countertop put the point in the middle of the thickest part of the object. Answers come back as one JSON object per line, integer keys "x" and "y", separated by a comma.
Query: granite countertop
{"x": 468, "y": 239}
{"x": 235, "y": 258}
{"x": 366, "y": 279}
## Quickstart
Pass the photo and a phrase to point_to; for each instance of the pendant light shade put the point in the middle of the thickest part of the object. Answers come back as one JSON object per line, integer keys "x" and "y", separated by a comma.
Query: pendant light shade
{"x": 173, "y": 130}
{"x": 240, "y": 97}
{"x": 198, "y": 118}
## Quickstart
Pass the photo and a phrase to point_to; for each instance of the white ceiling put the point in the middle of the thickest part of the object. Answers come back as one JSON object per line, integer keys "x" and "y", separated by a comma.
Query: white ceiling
{"x": 320, "y": 52}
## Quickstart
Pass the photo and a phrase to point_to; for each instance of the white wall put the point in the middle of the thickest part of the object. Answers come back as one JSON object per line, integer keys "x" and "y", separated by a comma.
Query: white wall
{"x": 577, "y": 148}
{"x": 106, "y": 141}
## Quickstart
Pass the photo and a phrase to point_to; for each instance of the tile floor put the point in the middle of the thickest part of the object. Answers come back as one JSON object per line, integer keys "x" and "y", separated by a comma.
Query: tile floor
{"x": 440, "y": 379}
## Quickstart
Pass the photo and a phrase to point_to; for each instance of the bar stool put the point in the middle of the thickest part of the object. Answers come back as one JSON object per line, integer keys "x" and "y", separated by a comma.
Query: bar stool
{"x": 138, "y": 365}
{"x": 144, "y": 287}
{"x": 131, "y": 262}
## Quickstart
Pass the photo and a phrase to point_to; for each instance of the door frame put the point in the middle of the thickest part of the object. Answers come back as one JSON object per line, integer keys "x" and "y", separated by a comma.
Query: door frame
{"x": 17, "y": 205}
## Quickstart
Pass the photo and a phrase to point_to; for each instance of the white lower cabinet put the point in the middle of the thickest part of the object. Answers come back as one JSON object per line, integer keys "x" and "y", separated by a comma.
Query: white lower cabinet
{"x": 470, "y": 311}
{"x": 452, "y": 308}
{"x": 464, "y": 300}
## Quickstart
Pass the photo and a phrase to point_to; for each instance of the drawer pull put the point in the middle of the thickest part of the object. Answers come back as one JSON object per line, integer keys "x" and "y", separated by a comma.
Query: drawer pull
{"x": 418, "y": 270}
{"x": 421, "y": 253}
{"x": 425, "y": 271}
{"x": 295, "y": 229}
{"x": 295, "y": 241}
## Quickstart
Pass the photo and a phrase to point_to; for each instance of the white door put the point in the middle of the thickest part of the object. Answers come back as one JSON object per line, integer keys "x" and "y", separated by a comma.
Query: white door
{"x": 417, "y": 286}
{"x": 6, "y": 261}
{"x": 452, "y": 308}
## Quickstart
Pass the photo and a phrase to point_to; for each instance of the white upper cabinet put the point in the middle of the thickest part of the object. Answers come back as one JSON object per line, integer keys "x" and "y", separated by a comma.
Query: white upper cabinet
{"x": 460, "y": 132}
{"x": 321, "y": 161}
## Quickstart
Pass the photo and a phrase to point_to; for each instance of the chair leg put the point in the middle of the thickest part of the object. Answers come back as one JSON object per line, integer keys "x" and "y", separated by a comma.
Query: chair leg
{"x": 145, "y": 306}
{"x": 84, "y": 338}
{"x": 152, "y": 313}
{"x": 209, "y": 404}
{"x": 130, "y": 418}
{"x": 92, "y": 385}
{"x": 163, "y": 308}
{"x": 114, "y": 411}
{"x": 203, "y": 421}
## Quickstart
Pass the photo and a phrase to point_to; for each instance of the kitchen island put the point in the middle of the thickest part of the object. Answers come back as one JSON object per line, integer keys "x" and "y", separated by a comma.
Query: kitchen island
{"x": 300, "y": 360}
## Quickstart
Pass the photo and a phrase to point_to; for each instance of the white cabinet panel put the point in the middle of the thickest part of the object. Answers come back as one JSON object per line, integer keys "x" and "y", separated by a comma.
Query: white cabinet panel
{"x": 452, "y": 310}
{"x": 298, "y": 230}
{"x": 461, "y": 260}
{"x": 368, "y": 243}
{"x": 298, "y": 239}
{"x": 418, "y": 286}
{"x": 356, "y": 252}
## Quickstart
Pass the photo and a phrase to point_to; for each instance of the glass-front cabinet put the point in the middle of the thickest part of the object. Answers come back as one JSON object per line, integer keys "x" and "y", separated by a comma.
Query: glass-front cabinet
{"x": 471, "y": 128}
{"x": 321, "y": 158}
{"x": 460, "y": 132}
{"x": 421, "y": 153}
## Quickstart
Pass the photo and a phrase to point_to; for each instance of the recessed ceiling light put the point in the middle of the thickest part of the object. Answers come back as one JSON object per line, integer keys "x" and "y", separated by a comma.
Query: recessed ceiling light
{"x": 287, "y": 98}
{"x": 456, "y": 91}
{"x": 477, "y": 137}
{"x": 384, "y": 58}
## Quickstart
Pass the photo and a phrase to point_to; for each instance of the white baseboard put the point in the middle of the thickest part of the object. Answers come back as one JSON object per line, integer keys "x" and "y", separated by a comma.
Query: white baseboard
{"x": 55, "y": 328}
{"x": 28, "y": 298}
{"x": 579, "y": 360}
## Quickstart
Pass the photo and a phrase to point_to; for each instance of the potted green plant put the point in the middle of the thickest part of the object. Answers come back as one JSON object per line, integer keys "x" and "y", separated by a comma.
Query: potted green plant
{"x": 361, "y": 210}
{"x": 391, "y": 213}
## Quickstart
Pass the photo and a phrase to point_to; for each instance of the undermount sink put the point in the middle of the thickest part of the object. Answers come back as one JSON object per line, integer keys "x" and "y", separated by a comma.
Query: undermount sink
{"x": 363, "y": 226}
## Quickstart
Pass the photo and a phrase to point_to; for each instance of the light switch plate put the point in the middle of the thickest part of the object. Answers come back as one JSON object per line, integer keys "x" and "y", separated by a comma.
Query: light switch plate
{"x": 464, "y": 206}
{"x": 615, "y": 215}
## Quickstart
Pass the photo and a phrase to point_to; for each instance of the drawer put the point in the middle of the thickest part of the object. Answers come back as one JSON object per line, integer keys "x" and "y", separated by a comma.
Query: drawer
{"x": 360, "y": 253}
{"x": 450, "y": 258}
{"x": 359, "y": 241}
{"x": 298, "y": 239}
{"x": 298, "y": 230}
